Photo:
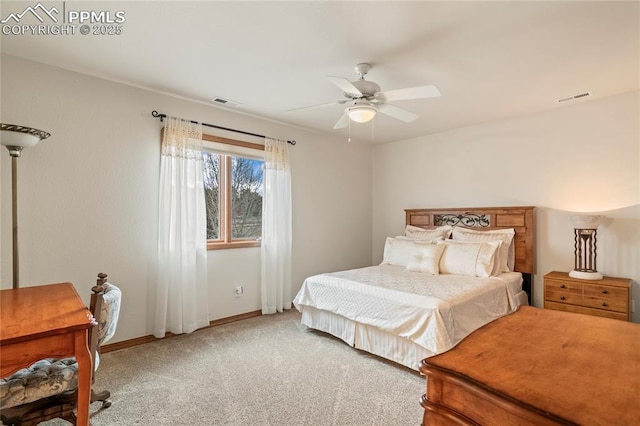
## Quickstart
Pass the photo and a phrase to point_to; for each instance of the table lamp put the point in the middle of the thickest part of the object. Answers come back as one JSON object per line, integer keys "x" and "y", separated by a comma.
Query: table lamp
{"x": 585, "y": 244}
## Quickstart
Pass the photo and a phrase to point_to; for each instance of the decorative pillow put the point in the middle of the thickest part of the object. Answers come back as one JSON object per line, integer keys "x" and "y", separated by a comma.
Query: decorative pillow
{"x": 399, "y": 251}
{"x": 468, "y": 258}
{"x": 506, "y": 255}
{"x": 427, "y": 234}
{"x": 435, "y": 240}
{"x": 496, "y": 268}
{"x": 426, "y": 259}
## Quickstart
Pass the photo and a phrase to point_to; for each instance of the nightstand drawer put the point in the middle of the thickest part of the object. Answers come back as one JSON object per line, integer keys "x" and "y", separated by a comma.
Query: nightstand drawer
{"x": 610, "y": 304}
{"x": 562, "y": 296}
{"x": 562, "y": 286}
{"x": 588, "y": 311}
{"x": 605, "y": 292}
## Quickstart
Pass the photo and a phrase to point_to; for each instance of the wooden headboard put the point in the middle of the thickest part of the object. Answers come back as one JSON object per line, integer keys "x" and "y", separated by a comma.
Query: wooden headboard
{"x": 521, "y": 219}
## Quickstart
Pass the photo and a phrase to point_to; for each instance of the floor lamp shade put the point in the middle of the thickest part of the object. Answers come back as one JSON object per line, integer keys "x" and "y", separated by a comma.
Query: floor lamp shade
{"x": 585, "y": 246}
{"x": 16, "y": 138}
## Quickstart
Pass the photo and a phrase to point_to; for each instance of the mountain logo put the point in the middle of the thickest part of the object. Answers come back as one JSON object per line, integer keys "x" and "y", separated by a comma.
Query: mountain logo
{"x": 38, "y": 11}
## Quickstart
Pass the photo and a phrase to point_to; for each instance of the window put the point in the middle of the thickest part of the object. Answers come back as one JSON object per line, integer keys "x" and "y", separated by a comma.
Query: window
{"x": 233, "y": 197}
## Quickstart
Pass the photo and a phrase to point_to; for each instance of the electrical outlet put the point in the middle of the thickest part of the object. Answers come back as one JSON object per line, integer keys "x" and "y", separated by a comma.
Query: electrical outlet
{"x": 238, "y": 291}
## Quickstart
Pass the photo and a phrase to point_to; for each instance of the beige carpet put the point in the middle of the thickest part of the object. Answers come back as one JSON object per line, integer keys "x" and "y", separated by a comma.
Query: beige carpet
{"x": 268, "y": 370}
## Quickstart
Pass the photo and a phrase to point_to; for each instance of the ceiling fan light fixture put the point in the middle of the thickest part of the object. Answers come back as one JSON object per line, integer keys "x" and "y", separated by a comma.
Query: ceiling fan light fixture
{"x": 361, "y": 113}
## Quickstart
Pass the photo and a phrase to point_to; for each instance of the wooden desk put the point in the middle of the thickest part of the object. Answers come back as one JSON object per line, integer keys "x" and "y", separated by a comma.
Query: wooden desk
{"x": 538, "y": 367}
{"x": 43, "y": 322}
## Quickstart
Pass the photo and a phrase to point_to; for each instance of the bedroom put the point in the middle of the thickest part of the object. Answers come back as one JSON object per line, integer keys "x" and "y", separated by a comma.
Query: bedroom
{"x": 97, "y": 176}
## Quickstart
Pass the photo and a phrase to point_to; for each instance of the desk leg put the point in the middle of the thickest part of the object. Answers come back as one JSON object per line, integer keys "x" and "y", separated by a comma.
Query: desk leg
{"x": 83, "y": 356}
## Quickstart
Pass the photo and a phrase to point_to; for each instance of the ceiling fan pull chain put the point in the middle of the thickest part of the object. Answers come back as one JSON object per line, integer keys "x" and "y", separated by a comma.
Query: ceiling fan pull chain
{"x": 349, "y": 140}
{"x": 373, "y": 123}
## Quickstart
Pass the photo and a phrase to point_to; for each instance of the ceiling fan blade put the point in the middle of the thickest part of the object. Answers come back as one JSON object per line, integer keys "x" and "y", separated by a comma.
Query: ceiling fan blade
{"x": 343, "y": 122}
{"x": 418, "y": 92}
{"x": 345, "y": 85}
{"x": 399, "y": 113}
{"x": 320, "y": 105}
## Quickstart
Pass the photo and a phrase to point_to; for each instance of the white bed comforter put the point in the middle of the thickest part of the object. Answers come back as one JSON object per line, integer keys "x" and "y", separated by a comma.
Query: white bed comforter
{"x": 434, "y": 311}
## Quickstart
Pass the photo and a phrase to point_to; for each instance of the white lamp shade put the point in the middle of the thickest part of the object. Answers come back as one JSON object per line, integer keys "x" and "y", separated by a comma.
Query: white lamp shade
{"x": 23, "y": 140}
{"x": 361, "y": 113}
{"x": 582, "y": 221}
{"x": 20, "y": 136}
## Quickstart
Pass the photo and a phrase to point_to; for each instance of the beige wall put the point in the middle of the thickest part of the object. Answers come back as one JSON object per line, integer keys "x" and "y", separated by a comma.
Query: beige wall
{"x": 88, "y": 195}
{"x": 584, "y": 157}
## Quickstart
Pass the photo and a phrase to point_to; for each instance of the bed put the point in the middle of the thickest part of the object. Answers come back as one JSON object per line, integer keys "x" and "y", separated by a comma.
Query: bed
{"x": 400, "y": 312}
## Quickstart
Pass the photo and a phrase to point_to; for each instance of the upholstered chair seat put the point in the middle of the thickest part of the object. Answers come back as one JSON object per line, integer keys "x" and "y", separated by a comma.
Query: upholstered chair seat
{"x": 45, "y": 378}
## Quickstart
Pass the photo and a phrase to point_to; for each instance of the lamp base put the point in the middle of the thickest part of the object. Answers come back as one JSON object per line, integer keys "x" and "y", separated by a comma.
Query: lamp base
{"x": 586, "y": 275}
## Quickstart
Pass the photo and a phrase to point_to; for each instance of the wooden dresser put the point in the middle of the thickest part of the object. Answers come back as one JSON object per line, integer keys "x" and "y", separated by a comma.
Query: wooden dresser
{"x": 609, "y": 297}
{"x": 538, "y": 367}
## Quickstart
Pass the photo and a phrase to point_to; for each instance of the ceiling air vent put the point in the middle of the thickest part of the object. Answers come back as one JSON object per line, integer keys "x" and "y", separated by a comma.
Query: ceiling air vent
{"x": 574, "y": 97}
{"x": 225, "y": 102}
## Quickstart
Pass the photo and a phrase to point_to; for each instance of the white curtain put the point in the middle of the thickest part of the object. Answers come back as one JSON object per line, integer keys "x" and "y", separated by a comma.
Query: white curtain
{"x": 182, "y": 302}
{"x": 276, "y": 228}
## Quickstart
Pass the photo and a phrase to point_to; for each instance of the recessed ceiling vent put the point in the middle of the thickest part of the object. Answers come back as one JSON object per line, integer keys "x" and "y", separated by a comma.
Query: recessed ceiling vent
{"x": 226, "y": 102}
{"x": 574, "y": 97}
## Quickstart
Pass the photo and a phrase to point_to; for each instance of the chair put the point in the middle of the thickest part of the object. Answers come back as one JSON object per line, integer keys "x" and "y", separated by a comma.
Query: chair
{"x": 48, "y": 388}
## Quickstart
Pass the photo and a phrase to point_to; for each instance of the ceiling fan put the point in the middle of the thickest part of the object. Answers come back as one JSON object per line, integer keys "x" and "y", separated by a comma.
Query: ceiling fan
{"x": 365, "y": 99}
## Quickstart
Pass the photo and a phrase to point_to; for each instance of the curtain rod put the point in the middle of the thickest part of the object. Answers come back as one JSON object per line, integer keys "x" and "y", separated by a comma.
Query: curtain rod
{"x": 156, "y": 114}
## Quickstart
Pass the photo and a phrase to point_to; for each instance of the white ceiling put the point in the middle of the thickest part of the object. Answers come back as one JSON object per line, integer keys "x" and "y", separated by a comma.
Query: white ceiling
{"x": 490, "y": 60}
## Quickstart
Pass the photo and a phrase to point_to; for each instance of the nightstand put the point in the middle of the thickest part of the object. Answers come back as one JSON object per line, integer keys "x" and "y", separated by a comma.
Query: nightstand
{"x": 609, "y": 297}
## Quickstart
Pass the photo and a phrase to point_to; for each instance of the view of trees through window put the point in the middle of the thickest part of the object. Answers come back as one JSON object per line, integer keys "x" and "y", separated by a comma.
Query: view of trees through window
{"x": 246, "y": 198}
{"x": 244, "y": 176}
{"x": 212, "y": 193}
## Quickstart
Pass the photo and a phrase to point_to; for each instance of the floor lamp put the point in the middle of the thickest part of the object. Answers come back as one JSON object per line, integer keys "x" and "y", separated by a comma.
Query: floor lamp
{"x": 16, "y": 138}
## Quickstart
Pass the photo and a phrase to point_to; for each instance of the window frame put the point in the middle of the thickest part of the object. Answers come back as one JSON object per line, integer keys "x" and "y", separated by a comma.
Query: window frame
{"x": 225, "y": 241}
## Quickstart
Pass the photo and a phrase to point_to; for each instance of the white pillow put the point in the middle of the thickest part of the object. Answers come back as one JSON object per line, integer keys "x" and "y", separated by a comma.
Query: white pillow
{"x": 506, "y": 255}
{"x": 426, "y": 259}
{"x": 399, "y": 251}
{"x": 427, "y": 234}
{"x": 468, "y": 258}
{"x": 496, "y": 269}
{"x": 419, "y": 240}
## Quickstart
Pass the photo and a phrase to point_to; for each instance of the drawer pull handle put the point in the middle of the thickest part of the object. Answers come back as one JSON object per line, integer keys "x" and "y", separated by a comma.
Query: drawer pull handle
{"x": 605, "y": 292}
{"x": 562, "y": 297}
{"x": 563, "y": 286}
{"x": 604, "y": 304}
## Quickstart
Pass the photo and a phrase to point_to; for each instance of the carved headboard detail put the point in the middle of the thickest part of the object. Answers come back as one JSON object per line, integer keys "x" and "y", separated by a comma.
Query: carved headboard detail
{"x": 521, "y": 219}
